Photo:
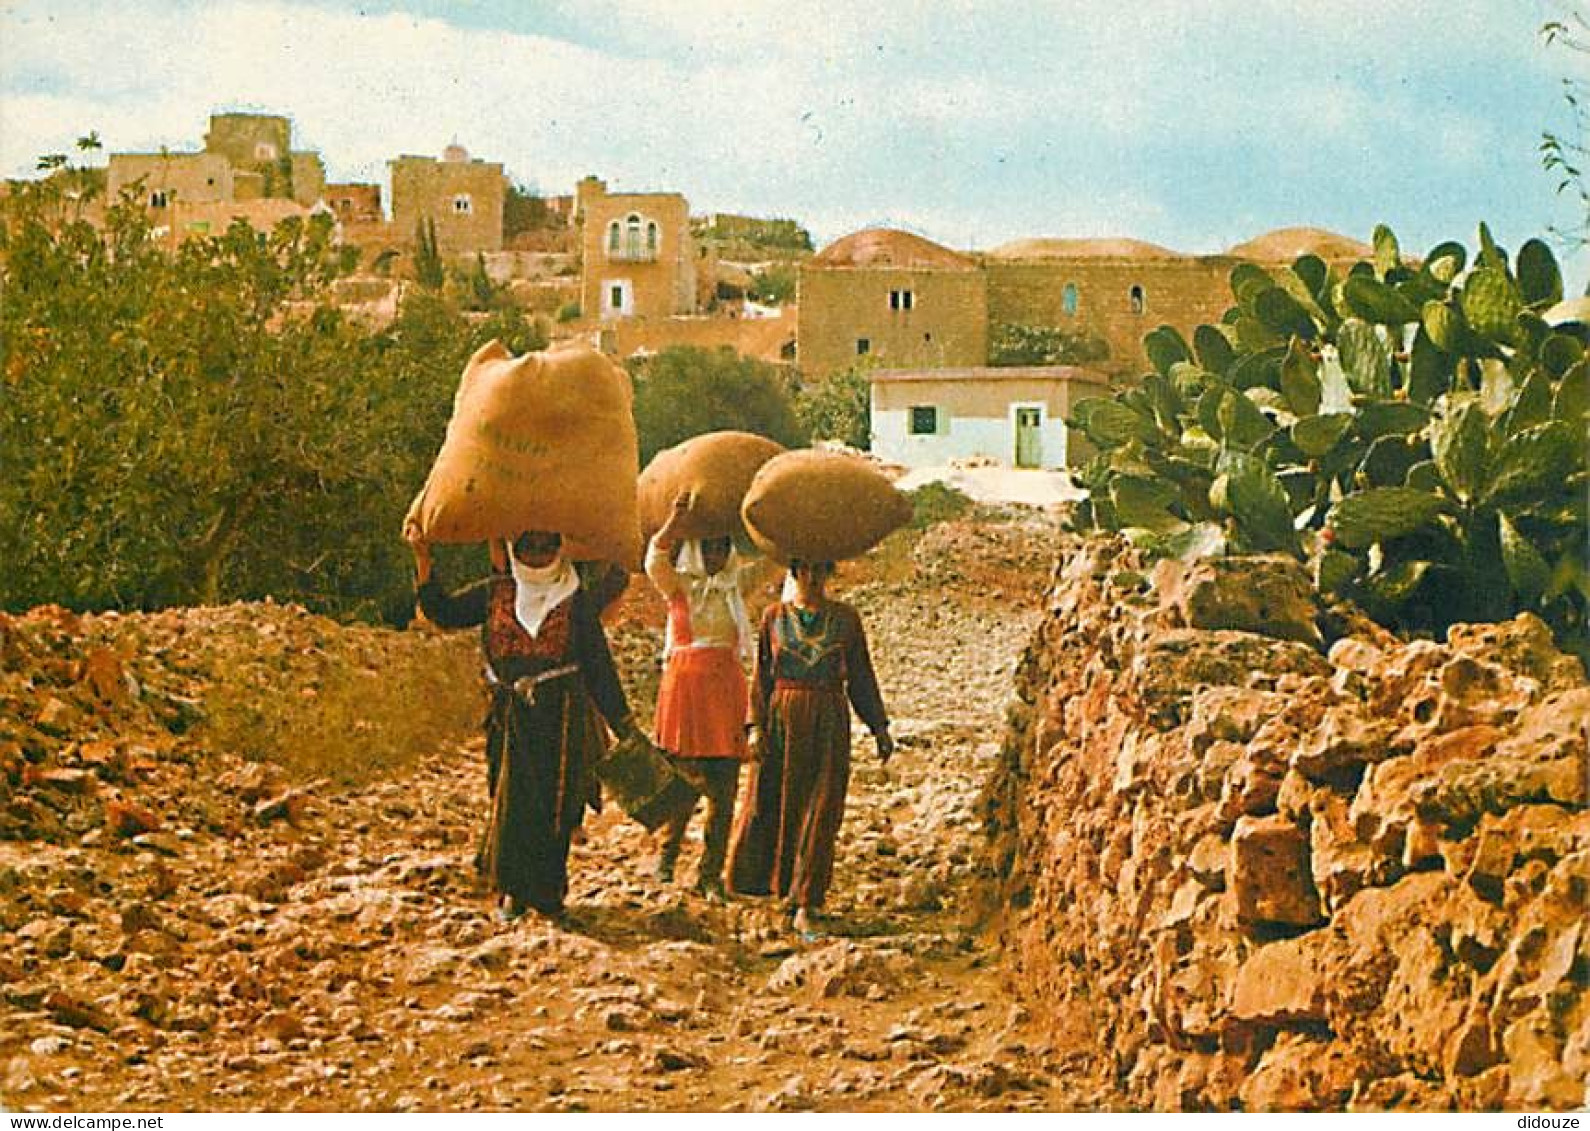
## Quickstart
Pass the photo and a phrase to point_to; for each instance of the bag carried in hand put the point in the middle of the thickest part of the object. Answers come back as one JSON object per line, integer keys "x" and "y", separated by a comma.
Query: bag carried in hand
{"x": 644, "y": 783}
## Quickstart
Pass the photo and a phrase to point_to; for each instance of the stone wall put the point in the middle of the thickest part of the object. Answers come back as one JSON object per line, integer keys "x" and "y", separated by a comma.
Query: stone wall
{"x": 1262, "y": 855}
{"x": 946, "y": 325}
{"x": 1181, "y": 292}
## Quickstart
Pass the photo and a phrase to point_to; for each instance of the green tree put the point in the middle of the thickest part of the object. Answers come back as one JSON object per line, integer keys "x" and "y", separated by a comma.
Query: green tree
{"x": 1014, "y": 343}
{"x": 428, "y": 269}
{"x": 684, "y": 391}
{"x": 838, "y": 407}
{"x": 524, "y": 210}
{"x": 203, "y": 425}
{"x": 775, "y": 284}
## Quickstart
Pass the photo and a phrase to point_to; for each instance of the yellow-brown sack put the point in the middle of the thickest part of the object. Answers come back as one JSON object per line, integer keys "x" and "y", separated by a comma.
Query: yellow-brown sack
{"x": 714, "y": 469}
{"x": 821, "y": 506}
{"x": 545, "y": 441}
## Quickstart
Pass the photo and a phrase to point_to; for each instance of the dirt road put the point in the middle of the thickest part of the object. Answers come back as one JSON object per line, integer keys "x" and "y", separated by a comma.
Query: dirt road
{"x": 353, "y": 963}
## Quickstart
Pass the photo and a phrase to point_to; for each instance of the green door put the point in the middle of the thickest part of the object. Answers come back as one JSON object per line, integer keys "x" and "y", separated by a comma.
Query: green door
{"x": 1029, "y": 441}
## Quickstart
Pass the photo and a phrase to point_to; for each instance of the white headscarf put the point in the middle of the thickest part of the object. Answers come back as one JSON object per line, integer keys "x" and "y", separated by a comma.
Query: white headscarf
{"x": 540, "y": 589}
{"x": 692, "y": 564}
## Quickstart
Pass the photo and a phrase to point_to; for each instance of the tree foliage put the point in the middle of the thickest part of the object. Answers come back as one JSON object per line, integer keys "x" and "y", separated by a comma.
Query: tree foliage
{"x": 429, "y": 271}
{"x": 684, "y": 391}
{"x": 202, "y": 424}
{"x": 838, "y": 407}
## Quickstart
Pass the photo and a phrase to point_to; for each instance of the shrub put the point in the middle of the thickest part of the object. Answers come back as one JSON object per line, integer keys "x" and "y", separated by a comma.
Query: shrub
{"x": 1011, "y": 343}
{"x": 684, "y": 391}
{"x": 1414, "y": 431}
{"x": 838, "y": 407}
{"x": 937, "y": 502}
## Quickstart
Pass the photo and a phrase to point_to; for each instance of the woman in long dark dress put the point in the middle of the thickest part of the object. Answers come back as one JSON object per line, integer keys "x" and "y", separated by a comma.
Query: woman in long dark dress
{"x": 551, "y": 676}
{"x": 811, "y": 657}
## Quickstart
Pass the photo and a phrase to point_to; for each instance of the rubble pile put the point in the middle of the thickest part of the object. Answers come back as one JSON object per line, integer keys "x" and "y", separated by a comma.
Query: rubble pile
{"x": 1263, "y": 855}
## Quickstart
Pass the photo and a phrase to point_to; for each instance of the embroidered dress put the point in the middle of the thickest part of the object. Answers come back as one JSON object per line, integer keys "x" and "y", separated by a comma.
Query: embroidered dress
{"x": 542, "y": 739}
{"x": 702, "y": 700}
{"x": 808, "y": 663}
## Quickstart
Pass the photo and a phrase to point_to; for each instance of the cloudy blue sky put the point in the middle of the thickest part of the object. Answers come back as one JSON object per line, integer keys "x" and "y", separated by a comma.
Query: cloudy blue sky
{"x": 1192, "y": 123}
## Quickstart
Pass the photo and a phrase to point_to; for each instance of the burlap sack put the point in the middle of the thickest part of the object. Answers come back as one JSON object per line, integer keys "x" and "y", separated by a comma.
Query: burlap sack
{"x": 540, "y": 442}
{"x": 821, "y": 506}
{"x": 715, "y": 469}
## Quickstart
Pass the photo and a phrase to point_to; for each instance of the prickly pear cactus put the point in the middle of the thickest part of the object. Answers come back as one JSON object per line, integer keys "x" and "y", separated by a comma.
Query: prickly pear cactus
{"x": 1414, "y": 430}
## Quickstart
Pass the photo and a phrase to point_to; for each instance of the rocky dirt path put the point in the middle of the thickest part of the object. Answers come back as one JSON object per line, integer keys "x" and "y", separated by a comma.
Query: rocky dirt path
{"x": 350, "y": 961}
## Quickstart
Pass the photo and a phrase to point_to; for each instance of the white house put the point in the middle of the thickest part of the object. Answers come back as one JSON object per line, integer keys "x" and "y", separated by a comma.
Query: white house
{"x": 1015, "y": 415}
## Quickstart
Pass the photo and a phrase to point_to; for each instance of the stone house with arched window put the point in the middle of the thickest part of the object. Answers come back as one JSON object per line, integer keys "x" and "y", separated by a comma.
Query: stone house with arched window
{"x": 637, "y": 256}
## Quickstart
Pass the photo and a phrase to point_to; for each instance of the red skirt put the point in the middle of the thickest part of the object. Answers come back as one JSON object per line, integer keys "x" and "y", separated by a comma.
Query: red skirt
{"x": 701, "y": 704}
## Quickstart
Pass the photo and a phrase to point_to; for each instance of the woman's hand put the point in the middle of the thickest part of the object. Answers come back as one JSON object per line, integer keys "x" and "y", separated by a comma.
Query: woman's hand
{"x": 668, "y": 535}
{"x": 885, "y": 745}
{"x": 422, "y": 552}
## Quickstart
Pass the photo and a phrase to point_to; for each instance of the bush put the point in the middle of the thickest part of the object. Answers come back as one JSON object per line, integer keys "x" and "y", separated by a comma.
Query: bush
{"x": 937, "y": 502}
{"x": 1011, "y": 343}
{"x": 685, "y": 391}
{"x": 569, "y": 312}
{"x": 838, "y": 407}
{"x": 202, "y": 425}
{"x": 1414, "y": 432}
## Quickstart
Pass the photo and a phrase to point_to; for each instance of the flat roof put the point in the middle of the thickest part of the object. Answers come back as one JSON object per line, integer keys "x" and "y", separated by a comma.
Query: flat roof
{"x": 994, "y": 373}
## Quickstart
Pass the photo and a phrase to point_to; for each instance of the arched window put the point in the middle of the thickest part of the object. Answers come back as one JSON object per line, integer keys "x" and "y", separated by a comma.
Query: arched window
{"x": 463, "y": 205}
{"x": 1068, "y": 299}
{"x": 1136, "y": 300}
{"x": 632, "y": 236}
{"x": 613, "y": 237}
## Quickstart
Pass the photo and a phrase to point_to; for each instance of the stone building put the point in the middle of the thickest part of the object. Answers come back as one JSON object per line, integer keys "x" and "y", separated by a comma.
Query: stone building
{"x": 162, "y": 179}
{"x": 354, "y": 202}
{"x": 260, "y": 146}
{"x": 861, "y": 295}
{"x": 1015, "y": 415}
{"x": 245, "y": 157}
{"x": 890, "y": 297}
{"x": 638, "y": 258}
{"x": 463, "y": 195}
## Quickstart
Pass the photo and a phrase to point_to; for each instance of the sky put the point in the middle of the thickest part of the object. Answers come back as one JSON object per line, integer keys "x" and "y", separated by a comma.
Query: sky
{"x": 1195, "y": 124}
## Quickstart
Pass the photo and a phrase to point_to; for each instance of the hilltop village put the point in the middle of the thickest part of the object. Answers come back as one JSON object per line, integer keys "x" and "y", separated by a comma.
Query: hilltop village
{"x": 941, "y": 332}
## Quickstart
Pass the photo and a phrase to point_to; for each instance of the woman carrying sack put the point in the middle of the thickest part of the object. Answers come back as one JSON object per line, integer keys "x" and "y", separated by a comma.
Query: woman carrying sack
{"x": 701, "y": 702}
{"x": 551, "y": 673}
{"x": 811, "y": 656}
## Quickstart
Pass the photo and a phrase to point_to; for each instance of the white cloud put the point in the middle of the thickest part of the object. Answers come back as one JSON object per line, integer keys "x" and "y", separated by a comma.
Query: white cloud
{"x": 970, "y": 121}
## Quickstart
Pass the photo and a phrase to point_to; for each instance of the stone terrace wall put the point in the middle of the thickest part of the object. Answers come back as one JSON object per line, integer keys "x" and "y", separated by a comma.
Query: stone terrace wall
{"x": 1318, "y": 868}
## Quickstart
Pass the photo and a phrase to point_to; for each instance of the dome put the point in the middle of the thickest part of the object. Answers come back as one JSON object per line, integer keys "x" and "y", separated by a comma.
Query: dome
{"x": 455, "y": 153}
{"x": 889, "y": 247}
{"x": 1285, "y": 244}
{"x": 1112, "y": 248}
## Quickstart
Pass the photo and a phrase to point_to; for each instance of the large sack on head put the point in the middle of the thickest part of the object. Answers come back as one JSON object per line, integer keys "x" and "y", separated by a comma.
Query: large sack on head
{"x": 545, "y": 441}
{"x": 821, "y": 506}
{"x": 714, "y": 469}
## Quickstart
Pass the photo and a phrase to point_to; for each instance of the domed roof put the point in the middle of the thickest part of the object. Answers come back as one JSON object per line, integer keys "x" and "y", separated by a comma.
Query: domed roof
{"x": 1286, "y": 244}
{"x": 1114, "y": 248}
{"x": 455, "y": 153}
{"x": 890, "y": 247}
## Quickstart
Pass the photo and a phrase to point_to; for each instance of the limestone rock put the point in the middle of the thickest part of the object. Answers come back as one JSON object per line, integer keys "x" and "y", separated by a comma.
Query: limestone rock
{"x": 1270, "y": 874}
